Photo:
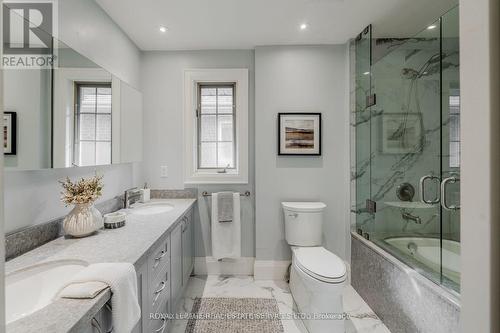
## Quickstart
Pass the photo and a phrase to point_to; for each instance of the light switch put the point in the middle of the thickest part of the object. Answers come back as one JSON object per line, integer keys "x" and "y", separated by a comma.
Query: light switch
{"x": 164, "y": 171}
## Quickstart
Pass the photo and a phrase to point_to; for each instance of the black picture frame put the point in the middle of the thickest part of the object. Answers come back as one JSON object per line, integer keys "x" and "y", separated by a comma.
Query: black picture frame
{"x": 12, "y": 136}
{"x": 316, "y": 152}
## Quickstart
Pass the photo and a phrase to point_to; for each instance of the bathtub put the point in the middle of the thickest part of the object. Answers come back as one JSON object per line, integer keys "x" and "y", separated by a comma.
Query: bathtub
{"x": 426, "y": 251}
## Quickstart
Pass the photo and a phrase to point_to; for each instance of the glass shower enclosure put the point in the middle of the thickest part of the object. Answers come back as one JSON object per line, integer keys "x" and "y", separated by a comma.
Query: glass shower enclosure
{"x": 406, "y": 123}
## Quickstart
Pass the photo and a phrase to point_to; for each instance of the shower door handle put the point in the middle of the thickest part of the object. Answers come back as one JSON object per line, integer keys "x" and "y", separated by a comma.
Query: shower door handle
{"x": 422, "y": 190}
{"x": 449, "y": 180}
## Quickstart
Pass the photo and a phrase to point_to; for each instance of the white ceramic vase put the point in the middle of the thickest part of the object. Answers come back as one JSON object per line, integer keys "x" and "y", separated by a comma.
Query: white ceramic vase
{"x": 83, "y": 220}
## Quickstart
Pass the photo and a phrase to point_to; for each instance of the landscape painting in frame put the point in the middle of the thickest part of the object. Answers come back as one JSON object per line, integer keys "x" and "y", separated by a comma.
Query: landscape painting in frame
{"x": 9, "y": 133}
{"x": 299, "y": 134}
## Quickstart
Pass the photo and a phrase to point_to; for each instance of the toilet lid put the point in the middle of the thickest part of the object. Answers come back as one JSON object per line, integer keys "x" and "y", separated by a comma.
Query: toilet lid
{"x": 304, "y": 206}
{"x": 320, "y": 263}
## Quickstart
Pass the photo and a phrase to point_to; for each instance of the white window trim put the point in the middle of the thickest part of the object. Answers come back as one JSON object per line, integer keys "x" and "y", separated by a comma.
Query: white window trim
{"x": 192, "y": 78}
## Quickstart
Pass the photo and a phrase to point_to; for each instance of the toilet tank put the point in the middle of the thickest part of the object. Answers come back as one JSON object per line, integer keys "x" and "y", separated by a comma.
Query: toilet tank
{"x": 303, "y": 223}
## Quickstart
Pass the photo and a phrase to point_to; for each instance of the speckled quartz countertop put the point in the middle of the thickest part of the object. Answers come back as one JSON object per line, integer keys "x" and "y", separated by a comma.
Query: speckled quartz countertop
{"x": 128, "y": 244}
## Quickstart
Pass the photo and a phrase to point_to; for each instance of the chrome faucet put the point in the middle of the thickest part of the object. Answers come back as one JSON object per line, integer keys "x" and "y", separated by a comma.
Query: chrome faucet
{"x": 131, "y": 196}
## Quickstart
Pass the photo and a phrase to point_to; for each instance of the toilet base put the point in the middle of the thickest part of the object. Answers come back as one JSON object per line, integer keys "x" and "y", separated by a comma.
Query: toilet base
{"x": 319, "y": 303}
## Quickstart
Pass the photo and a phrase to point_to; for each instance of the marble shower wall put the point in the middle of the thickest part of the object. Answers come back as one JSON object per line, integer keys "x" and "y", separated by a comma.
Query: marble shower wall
{"x": 405, "y": 131}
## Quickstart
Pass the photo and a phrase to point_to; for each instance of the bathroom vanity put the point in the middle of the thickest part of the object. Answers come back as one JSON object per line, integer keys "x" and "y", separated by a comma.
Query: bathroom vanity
{"x": 161, "y": 247}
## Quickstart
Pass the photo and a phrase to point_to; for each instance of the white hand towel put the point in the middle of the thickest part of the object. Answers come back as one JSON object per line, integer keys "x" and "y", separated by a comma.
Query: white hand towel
{"x": 85, "y": 290}
{"x": 122, "y": 279}
{"x": 226, "y": 237}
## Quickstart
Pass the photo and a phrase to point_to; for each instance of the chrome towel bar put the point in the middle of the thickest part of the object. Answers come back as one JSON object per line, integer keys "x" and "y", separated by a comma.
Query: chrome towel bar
{"x": 206, "y": 194}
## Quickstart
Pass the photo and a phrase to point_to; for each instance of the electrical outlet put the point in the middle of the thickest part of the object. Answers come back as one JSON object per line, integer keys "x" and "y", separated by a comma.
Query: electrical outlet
{"x": 163, "y": 171}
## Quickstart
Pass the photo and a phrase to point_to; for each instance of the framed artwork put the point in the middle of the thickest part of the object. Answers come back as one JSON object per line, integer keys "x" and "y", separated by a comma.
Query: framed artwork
{"x": 299, "y": 134}
{"x": 9, "y": 133}
{"x": 401, "y": 133}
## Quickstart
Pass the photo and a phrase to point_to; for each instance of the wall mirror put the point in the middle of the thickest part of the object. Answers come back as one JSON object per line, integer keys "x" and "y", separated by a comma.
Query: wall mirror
{"x": 75, "y": 114}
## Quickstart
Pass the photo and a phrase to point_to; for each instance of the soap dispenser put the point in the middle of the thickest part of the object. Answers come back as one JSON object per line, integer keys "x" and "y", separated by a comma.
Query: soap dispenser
{"x": 145, "y": 193}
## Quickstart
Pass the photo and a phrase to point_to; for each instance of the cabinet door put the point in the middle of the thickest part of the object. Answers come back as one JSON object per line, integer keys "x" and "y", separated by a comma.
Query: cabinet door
{"x": 176, "y": 265}
{"x": 191, "y": 238}
{"x": 187, "y": 247}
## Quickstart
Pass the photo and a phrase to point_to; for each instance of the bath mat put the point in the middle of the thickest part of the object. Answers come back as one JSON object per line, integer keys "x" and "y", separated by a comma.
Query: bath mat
{"x": 234, "y": 315}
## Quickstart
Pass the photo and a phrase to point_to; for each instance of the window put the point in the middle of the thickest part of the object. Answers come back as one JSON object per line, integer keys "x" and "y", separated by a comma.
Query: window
{"x": 216, "y": 113}
{"x": 454, "y": 102}
{"x": 92, "y": 141}
{"x": 215, "y": 126}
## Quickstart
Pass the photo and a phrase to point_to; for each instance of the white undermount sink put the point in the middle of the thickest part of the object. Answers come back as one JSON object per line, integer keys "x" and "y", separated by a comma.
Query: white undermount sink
{"x": 151, "y": 208}
{"x": 33, "y": 288}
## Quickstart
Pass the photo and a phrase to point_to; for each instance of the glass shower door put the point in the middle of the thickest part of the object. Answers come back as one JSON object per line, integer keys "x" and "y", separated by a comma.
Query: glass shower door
{"x": 406, "y": 149}
{"x": 450, "y": 146}
{"x": 407, "y": 127}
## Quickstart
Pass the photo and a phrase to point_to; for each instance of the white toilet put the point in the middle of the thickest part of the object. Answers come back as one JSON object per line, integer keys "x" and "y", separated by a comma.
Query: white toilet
{"x": 317, "y": 276}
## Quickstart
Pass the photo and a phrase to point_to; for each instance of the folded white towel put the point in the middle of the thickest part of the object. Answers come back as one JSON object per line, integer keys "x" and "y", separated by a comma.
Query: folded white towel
{"x": 122, "y": 279}
{"x": 83, "y": 290}
{"x": 226, "y": 237}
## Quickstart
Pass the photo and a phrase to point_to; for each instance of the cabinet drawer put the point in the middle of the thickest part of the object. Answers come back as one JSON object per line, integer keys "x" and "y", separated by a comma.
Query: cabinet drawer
{"x": 161, "y": 311}
{"x": 159, "y": 261}
{"x": 159, "y": 325}
{"x": 160, "y": 289}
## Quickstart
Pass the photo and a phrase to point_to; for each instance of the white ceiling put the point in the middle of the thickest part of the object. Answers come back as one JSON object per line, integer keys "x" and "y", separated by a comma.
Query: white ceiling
{"x": 244, "y": 24}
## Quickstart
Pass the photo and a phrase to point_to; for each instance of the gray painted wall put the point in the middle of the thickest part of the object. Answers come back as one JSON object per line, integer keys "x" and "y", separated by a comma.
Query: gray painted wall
{"x": 32, "y": 197}
{"x": 163, "y": 84}
{"x": 301, "y": 79}
{"x": 85, "y": 27}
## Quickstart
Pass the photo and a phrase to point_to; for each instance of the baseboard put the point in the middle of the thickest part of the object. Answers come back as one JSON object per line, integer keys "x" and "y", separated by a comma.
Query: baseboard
{"x": 271, "y": 269}
{"x": 211, "y": 266}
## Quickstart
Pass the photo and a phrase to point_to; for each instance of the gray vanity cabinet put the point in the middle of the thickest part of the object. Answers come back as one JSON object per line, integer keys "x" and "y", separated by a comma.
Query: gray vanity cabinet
{"x": 162, "y": 277}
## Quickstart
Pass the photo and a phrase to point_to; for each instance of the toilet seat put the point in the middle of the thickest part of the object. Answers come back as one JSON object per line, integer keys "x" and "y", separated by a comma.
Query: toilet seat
{"x": 320, "y": 264}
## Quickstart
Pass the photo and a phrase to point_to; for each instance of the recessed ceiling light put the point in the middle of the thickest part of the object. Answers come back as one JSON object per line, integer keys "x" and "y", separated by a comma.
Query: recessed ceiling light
{"x": 163, "y": 28}
{"x": 431, "y": 27}
{"x": 303, "y": 26}
{"x": 366, "y": 73}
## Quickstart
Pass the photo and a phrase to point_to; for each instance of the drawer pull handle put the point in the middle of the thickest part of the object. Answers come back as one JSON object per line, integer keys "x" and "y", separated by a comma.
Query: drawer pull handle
{"x": 158, "y": 259}
{"x": 163, "y": 285}
{"x": 162, "y": 254}
{"x": 157, "y": 293}
{"x": 95, "y": 324}
{"x": 162, "y": 328}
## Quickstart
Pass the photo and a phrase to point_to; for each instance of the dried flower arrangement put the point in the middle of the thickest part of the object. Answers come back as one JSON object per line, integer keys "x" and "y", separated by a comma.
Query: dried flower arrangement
{"x": 82, "y": 191}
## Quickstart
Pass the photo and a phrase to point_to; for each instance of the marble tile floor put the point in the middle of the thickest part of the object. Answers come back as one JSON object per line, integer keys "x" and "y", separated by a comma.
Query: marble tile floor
{"x": 361, "y": 318}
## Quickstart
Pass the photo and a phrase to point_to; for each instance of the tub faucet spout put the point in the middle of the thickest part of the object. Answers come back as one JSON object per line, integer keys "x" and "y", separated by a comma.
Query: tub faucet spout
{"x": 409, "y": 217}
